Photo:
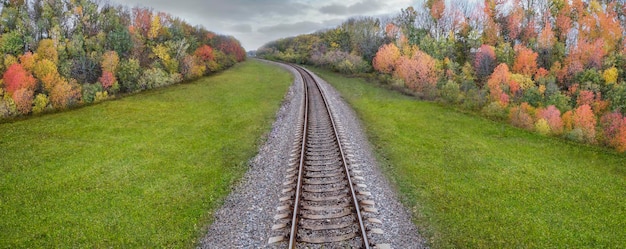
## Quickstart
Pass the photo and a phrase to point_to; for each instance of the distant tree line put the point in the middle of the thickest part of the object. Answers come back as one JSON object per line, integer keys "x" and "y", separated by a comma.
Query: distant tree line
{"x": 55, "y": 54}
{"x": 556, "y": 67}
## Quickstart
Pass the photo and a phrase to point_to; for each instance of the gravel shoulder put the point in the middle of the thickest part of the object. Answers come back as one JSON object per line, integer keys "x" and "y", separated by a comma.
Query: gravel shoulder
{"x": 260, "y": 188}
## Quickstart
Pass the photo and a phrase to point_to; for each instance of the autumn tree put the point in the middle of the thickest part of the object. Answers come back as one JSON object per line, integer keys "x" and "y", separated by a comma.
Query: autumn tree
{"x": 16, "y": 77}
{"x": 484, "y": 62}
{"x": 585, "y": 120}
{"x": 23, "y": 99}
{"x": 500, "y": 78}
{"x": 386, "y": 58}
{"x": 552, "y": 115}
{"x": 47, "y": 51}
{"x": 521, "y": 116}
{"x": 525, "y": 61}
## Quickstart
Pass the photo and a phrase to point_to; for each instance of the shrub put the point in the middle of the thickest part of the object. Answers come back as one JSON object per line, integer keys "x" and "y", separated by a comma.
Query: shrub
{"x": 575, "y": 135}
{"x": 542, "y": 127}
{"x": 108, "y": 81}
{"x": 474, "y": 99}
{"x": 495, "y": 111}
{"x": 23, "y": 98}
{"x": 100, "y": 96}
{"x": 7, "y": 107}
{"x": 40, "y": 103}
{"x": 154, "y": 78}
{"x": 519, "y": 116}
{"x": 89, "y": 92}
{"x": 451, "y": 92}
{"x": 620, "y": 139}
{"x": 192, "y": 67}
{"x": 64, "y": 95}
{"x": 128, "y": 75}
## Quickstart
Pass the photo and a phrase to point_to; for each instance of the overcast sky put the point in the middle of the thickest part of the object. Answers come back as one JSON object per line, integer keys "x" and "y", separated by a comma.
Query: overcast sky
{"x": 256, "y": 22}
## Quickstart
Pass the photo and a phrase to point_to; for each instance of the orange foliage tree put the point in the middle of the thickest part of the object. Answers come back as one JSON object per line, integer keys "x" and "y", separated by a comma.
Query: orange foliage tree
{"x": 23, "y": 99}
{"x": 386, "y": 58}
{"x": 585, "y": 120}
{"x": 500, "y": 77}
{"x": 525, "y": 61}
{"x": 28, "y": 61}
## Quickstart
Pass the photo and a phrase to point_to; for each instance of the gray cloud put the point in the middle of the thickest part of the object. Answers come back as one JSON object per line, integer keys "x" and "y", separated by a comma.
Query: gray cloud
{"x": 334, "y": 9}
{"x": 292, "y": 28}
{"x": 365, "y": 6}
{"x": 359, "y": 8}
{"x": 241, "y": 28}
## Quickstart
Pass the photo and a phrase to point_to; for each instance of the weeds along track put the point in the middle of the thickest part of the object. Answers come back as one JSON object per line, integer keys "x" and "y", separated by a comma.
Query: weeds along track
{"x": 324, "y": 202}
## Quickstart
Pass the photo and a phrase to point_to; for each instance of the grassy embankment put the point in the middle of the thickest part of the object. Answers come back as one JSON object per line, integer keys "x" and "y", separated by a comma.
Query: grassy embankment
{"x": 475, "y": 183}
{"x": 143, "y": 171}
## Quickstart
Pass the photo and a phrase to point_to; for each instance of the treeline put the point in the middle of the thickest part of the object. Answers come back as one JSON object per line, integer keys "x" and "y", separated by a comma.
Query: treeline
{"x": 555, "y": 67}
{"x": 56, "y": 54}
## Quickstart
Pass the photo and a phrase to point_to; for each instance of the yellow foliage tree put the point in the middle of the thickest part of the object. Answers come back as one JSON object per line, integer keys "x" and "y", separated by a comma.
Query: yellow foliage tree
{"x": 47, "y": 50}
{"x": 155, "y": 27}
{"x": 610, "y": 75}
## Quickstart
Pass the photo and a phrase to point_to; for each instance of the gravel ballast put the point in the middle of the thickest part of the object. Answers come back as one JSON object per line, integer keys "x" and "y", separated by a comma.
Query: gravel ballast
{"x": 260, "y": 188}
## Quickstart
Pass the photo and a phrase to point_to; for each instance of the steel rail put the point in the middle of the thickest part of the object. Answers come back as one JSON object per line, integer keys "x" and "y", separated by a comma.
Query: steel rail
{"x": 357, "y": 209}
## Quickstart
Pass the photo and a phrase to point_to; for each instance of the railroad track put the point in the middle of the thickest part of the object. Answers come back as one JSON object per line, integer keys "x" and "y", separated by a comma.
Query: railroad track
{"x": 323, "y": 204}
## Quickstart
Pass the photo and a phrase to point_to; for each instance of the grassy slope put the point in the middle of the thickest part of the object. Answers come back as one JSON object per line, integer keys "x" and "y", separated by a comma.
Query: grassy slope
{"x": 142, "y": 171}
{"x": 474, "y": 183}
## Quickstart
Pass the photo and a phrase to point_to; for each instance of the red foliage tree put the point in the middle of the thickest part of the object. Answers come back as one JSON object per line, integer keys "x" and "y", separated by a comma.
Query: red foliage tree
{"x": 230, "y": 46}
{"x": 611, "y": 124}
{"x": 205, "y": 53}
{"x": 16, "y": 77}
{"x": 107, "y": 80}
{"x": 485, "y": 61}
{"x": 553, "y": 116}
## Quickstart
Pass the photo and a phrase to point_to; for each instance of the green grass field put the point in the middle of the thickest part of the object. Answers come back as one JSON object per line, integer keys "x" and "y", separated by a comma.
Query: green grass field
{"x": 475, "y": 183}
{"x": 144, "y": 171}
